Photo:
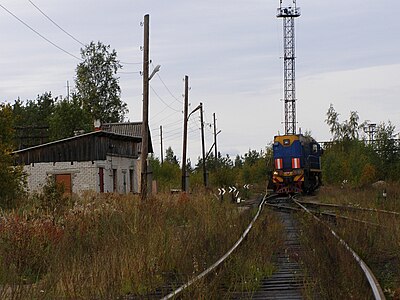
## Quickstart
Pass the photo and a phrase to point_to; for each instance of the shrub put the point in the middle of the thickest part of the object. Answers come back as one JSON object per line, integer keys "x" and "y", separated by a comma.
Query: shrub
{"x": 26, "y": 247}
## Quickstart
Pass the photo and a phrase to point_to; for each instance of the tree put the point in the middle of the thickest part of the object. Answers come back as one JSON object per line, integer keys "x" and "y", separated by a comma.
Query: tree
{"x": 349, "y": 158}
{"x": 167, "y": 174}
{"x": 170, "y": 157}
{"x": 69, "y": 117}
{"x": 238, "y": 161}
{"x": 97, "y": 84}
{"x": 251, "y": 157}
{"x": 48, "y": 119}
{"x": 388, "y": 150}
{"x": 333, "y": 122}
{"x": 31, "y": 119}
{"x": 256, "y": 166}
{"x": 11, "y": 178}
{"x": 34, "y": 113}
{"x": 348, "y": 130}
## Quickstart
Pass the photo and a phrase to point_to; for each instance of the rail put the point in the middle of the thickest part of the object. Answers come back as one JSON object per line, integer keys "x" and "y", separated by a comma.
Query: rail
{"x": 373, "y": 282}
{"x": 223, "y": 258}
{"x": 348, "y": 207}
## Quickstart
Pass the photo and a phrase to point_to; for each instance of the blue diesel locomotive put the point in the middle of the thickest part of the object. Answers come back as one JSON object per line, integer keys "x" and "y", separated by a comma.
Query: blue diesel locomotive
{"x": 297, "y": 164}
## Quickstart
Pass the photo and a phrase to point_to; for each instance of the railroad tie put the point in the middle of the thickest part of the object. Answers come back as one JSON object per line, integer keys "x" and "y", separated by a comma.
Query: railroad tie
{"x": 287, "y": 281}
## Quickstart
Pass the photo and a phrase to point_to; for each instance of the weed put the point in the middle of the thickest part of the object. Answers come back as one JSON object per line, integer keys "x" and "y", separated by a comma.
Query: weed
{"x": 378, "y": 246}
{"x": 104, "y": 246}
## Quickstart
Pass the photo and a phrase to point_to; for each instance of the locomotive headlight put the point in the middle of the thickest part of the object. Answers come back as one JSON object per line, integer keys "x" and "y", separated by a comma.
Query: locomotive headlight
{"x": 298, "y": 172}
{"x": 276, "y": 173}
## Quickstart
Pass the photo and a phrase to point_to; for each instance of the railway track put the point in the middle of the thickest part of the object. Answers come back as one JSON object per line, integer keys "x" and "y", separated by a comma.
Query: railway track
{"x": 372, "y": 281}
{"x": 301, "y": 206}
{"x": 288, "y": 281}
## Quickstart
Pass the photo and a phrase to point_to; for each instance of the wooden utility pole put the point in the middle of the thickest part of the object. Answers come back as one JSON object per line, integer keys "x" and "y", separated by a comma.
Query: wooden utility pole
{"x": 145, "y": 122}
{"x": 185, "y": 121}
{"x": 67, "y": 90}
{"x": 203, "y": 146}
{"x": 215, "y": 138}
{"x": 162, "y": 150}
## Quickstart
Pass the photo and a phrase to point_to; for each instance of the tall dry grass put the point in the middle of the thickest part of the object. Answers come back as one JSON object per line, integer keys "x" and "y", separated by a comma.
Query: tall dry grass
{"x": 331, "y": 272}
{"x": 106, "y": 246}
{"x": 247, "y": 266}
{"x": 378, "y": 246}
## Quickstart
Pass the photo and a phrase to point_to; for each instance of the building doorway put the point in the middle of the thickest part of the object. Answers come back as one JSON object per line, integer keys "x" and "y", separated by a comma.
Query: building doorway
{"x": 65, "y": 181}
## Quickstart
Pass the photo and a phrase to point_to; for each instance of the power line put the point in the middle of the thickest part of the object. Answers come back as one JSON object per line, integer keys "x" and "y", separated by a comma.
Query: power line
{"x": 179, "y": 134}
{"x": 160, "y": 112}
{"x": 169, "y": 126}
{"x": 131, "y": 63}
{"x": 173, "y": 130}
{"x": 162, "y": 100}
{"x": 160, "y": 121}
{"x": 128, "y": 72}
{"x": 173, "y": 123}
{"x": 70, "y": 35}
{"x": 169, "y": 91}
{"x": 39, "y": 34}
{"x": 59, "y": 27}
{"x": 172, "y": 135}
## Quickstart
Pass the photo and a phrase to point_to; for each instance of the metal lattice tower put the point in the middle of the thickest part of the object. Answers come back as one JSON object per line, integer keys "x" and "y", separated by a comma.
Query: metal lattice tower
{"x": 289, "y": 76}
{"x": 370, "y": 129}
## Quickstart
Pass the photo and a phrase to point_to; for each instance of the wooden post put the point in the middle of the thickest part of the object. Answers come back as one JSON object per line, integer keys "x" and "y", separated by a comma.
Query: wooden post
{"x": 203, "y": 145}
{"x": 215, "y": 140}
{"x": 185, "y": 121}
{"x": 145, "y": 122}
{"x": 162, "y": 150}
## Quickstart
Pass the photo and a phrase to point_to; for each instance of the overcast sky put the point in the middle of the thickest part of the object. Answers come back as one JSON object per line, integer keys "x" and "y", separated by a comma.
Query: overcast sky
{"x": 347, "y": 55}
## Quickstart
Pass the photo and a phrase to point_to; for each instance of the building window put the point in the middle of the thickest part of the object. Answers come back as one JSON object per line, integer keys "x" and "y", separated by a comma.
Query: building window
{"x": 115, "y": 182}
{"x": 101, "y": 180}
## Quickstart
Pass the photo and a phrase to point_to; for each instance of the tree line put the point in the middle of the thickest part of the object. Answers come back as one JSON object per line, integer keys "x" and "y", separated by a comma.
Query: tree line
{"x": 350, "y": 157}
{"x": 353, "y": 158}
{"x": 252, "y": 167}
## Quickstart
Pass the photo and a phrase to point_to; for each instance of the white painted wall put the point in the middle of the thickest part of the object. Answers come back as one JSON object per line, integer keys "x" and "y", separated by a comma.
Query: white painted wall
{"x": 85, "y": 175}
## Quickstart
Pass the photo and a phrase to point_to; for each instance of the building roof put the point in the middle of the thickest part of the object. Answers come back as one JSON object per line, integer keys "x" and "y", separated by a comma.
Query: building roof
{"x": 128, "y": 128}
{"x": 133, "y": 129}
{"x": 95, "y": 133}
{"x": 91, "y": 146}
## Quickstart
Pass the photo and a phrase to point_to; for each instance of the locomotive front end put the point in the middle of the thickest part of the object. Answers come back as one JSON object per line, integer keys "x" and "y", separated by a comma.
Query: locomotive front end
{"x": 288, "y": 174}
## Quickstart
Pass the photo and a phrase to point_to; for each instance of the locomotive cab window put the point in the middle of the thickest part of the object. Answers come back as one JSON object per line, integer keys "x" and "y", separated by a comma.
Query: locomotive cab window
{"x": 315, "y": 148}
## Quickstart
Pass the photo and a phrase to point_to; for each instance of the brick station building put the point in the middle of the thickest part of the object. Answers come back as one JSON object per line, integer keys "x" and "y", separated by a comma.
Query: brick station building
{"x": 106, "y": 160}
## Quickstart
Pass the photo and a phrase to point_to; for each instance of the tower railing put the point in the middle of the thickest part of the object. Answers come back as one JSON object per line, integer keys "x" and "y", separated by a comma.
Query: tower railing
{"x": 283, "y": 12}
